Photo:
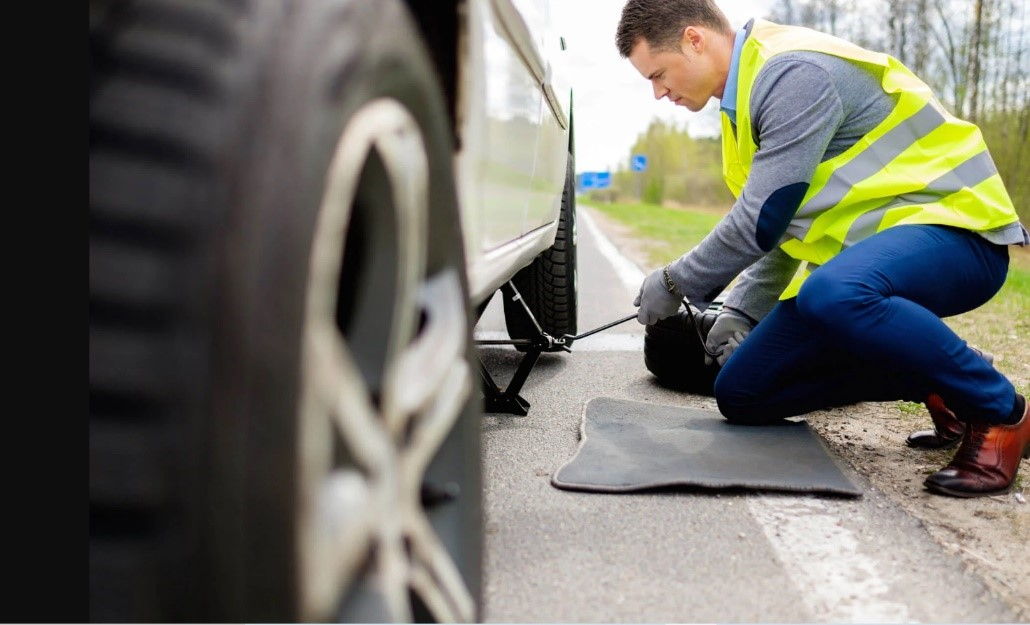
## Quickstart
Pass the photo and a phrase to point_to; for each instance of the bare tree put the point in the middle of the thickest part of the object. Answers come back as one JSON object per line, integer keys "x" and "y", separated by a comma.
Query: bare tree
{"x": 832, "y": 13}
{"x": 783, "y": 12}
{"x": 974, "y": 63}
{"x": 921, "y": 36}
{"x": 955, "y": 59}
{"x": 896, "y": 29}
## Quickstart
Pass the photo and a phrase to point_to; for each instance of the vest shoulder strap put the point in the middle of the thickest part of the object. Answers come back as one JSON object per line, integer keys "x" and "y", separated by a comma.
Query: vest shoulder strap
{"x": 774, "y": 39}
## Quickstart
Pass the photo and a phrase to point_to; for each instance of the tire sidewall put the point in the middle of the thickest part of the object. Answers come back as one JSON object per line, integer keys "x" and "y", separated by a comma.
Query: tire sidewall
{"x": 334, "y": 57}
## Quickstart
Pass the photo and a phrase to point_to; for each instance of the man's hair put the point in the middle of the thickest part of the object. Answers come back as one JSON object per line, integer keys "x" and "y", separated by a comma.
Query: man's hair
{"x": 661, "y": 22}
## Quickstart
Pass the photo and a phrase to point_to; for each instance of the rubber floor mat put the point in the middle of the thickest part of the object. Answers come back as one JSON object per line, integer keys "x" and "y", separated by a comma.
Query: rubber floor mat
{"x": 629, "y": 445}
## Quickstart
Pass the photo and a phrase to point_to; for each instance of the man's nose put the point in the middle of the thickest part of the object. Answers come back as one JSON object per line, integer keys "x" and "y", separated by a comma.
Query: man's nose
{"x": 659, "y": 90}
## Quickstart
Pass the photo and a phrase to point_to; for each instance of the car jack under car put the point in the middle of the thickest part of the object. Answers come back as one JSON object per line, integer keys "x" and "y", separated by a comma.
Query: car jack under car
{"x": 508, "y": 401}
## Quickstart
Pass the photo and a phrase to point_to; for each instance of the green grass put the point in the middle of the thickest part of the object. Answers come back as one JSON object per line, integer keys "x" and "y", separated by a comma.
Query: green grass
{"x": 909, "y": 407}
{"x": 1018, "y": 281}
{"x": 670, "y": 231}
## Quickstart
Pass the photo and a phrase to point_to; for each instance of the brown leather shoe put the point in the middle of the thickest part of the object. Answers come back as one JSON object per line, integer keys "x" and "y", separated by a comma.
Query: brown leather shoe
{"x": 947, "y": 429}
{"x": 987, "y": 460}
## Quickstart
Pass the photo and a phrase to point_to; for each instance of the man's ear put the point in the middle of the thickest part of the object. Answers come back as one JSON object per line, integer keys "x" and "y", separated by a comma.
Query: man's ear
{"x": 693, "y": 39}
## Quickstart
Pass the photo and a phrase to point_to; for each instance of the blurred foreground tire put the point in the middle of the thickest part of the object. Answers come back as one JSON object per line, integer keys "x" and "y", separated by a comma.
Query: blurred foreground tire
{"x": 283, "y": 420}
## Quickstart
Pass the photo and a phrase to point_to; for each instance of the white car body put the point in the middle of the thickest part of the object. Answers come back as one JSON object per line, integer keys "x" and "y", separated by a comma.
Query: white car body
{"x": 514, "y": 122}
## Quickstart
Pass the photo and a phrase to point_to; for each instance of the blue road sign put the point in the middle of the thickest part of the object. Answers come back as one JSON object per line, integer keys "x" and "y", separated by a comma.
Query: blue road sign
{"x": 595, "y": 180}
{"x": 638, "y": 162}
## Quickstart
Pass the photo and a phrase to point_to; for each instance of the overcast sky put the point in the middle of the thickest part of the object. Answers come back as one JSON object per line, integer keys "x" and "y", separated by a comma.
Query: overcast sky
{"x": 613, "y": 103}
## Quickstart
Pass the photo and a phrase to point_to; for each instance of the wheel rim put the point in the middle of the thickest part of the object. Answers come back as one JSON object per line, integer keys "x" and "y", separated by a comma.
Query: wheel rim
{"x": 389, "y": 400}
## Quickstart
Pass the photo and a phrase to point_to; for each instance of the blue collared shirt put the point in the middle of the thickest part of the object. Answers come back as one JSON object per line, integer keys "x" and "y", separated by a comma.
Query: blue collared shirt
{"x": 729, "y": 94}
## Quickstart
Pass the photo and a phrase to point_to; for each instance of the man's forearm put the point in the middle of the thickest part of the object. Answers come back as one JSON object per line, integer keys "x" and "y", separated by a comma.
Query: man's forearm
{"x": 705, "y": 271}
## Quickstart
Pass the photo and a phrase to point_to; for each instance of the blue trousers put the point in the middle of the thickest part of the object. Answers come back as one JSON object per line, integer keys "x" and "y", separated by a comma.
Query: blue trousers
{"x": 866, "y": 326}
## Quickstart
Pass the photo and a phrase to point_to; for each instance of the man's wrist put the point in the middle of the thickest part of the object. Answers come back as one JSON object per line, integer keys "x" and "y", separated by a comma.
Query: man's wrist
{"x": 737, "y": 312}
{"x": 670, "y": 286}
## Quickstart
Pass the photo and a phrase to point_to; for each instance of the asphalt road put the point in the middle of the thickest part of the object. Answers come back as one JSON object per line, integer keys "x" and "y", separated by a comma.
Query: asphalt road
{"x": 563, "y": 556}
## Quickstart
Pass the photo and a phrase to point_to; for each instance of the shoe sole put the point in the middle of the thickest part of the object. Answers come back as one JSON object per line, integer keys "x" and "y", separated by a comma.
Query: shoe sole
{"x": 947, "y": 445}
{"x": 944, "y": 490}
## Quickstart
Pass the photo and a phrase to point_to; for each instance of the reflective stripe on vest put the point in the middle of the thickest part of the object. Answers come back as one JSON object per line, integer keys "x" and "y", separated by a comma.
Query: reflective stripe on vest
{"x": 920, "y": 165}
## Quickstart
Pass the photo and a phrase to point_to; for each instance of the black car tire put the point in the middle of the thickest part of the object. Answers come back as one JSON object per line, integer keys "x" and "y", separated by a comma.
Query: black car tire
{"x": 262, "y": 306}
{"x": 548, "y": 285}
{"x": 674, "y": 351}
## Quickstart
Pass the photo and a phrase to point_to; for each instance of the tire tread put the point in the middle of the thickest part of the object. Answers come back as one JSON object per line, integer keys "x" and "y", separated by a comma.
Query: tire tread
{"x": 158, "y": 91}
{"x": 548, "y": 284}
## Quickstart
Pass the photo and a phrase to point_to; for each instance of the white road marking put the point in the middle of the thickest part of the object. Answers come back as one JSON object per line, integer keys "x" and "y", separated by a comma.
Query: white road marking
{"x": 838, "y": 582}
{"x": 628, "y": 272}
{"x": 601, "y": 342}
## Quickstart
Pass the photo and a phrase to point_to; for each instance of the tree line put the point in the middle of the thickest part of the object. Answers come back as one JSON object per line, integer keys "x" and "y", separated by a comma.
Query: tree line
{"x": 972, "y": 53}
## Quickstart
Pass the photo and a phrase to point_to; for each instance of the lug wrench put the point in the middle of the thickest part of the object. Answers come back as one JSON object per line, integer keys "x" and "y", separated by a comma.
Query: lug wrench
{"x": 569, "y": 337}
{"x": 561, "y": 341}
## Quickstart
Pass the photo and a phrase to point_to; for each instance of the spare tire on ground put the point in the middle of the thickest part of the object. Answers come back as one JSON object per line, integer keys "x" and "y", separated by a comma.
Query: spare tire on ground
{"x": 674, "y": 351}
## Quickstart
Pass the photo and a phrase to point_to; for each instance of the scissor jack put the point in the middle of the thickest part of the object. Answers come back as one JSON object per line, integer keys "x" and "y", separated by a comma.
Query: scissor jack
{"x": 509, "y": 401}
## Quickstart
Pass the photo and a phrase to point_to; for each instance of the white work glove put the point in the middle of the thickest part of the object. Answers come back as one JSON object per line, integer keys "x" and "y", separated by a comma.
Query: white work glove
{"x": 728, "y": 332}
{"x": 655, "y": 300}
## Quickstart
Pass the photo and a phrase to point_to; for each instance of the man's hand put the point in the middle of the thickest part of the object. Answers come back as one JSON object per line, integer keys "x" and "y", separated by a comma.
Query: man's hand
{"x": 655, "y": 299}
{"x": 729, "y": 331}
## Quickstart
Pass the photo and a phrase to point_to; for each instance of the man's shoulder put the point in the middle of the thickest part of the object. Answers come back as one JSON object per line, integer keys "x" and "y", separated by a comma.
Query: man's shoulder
{"x": 819, "y": 65}
{"x": 797, "y": 74}
{"x": 807, "y": 74}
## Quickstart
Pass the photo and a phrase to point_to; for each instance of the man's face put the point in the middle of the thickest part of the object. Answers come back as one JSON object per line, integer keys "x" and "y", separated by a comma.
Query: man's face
{"x": 687, "y": 77}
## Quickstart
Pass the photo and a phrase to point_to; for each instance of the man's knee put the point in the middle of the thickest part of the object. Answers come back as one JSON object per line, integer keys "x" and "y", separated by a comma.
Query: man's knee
{"x": 737, "y": 401}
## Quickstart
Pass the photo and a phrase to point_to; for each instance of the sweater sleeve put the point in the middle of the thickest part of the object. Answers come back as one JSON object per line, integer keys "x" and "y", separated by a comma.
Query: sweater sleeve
{"x": 795, "y": 111}
{"x": 759, "y": 287}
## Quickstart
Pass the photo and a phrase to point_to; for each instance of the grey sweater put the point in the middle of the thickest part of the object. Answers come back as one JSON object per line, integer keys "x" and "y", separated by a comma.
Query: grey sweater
{"x": 806, "y": 107}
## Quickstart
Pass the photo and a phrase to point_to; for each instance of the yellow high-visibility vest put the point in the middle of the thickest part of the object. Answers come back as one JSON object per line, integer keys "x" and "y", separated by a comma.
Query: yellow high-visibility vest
{"x": 920, "y": 165}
